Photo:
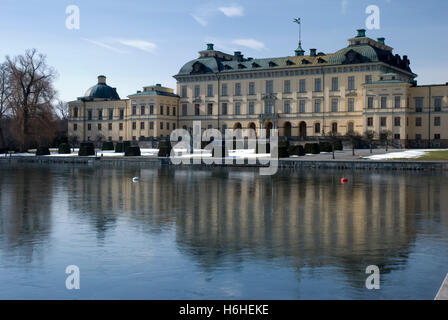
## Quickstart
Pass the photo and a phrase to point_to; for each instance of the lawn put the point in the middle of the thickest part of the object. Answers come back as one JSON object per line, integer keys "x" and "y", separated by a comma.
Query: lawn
{"x": 430, "y": 156}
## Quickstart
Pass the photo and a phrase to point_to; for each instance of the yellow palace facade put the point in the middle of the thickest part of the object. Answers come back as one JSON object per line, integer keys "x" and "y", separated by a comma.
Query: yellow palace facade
{"x": 362, "y": 87}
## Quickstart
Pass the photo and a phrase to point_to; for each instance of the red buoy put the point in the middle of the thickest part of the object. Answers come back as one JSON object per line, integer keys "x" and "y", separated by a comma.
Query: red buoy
{"x": 344, "y": 180}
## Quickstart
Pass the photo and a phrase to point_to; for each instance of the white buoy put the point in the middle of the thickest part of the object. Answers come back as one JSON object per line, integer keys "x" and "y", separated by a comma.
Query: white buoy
{"x": 135, "y": 179}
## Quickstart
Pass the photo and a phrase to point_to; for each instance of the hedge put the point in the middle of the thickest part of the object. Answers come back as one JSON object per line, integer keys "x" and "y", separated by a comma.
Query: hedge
{"x": 121, "y": 146}
{"x": 296, "y": 151}
{"x": 312, "y": 148}
{"x": 132, "y": 151}
{"x": 107, "y": 145}
{"x": 64, "y": 148}
{"x": 164, "y": 148}
{"x": 86, "y": 149}
{"x": 42, "y": 151}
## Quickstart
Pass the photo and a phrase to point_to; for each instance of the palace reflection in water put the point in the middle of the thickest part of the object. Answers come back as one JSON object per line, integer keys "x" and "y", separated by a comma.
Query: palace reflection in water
{"x": 224, "y": 220}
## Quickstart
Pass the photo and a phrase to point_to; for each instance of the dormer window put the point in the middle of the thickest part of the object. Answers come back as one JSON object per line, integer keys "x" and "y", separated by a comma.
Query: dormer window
{"x": 289, "y": 63}
{"x": 272, "y": 64}
{"x": 320, "y": 60}
{"x": 304, "y": 61}
{"x": 255, "y": 65}
{"x": 227, "y": 67}
{"x": 241, "y": 66}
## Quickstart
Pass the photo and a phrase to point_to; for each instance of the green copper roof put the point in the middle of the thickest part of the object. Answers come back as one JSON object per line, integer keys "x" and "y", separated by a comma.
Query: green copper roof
{"x": 154, "y": 93}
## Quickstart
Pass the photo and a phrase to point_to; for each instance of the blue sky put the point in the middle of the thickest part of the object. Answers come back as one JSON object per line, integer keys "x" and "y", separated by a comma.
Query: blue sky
{"x": 138, "y": 43}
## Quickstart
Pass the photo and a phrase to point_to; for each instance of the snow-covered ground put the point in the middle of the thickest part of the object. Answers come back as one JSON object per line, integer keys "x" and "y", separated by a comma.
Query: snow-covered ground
{"x": 406, "y": 154}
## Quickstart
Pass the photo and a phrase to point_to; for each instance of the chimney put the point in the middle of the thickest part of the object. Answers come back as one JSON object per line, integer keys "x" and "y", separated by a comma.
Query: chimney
{"x": 102, "y": 79}
{"x": 210, "y": 46}
{"x": 361, "y": 33}
{"x": 381, "y": 40}
{"x": 238, "y": 56}
{"x": 313, "y": 52}
{"x": 158, "y": 85}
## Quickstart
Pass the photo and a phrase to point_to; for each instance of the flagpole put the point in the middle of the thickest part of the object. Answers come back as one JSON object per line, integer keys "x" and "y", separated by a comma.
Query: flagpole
{"x": 300, "y": 32}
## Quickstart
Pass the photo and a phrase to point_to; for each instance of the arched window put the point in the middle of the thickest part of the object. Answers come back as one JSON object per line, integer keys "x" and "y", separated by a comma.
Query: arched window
{"x": 334, "y": 127}
{"x": 317, "y": 127}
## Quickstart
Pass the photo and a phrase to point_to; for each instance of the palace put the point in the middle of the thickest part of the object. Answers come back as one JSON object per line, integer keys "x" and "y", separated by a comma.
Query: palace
{"x": 362, "y": 87}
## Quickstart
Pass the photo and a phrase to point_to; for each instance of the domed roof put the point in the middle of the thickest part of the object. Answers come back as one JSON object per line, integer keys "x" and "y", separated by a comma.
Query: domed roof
{"x": 362, "y": 53}
{"x": 102, "y": 91}
{"x": 200, "y": 65}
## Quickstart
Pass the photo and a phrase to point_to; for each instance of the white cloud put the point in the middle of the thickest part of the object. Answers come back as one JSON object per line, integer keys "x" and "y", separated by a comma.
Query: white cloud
{"x": 138, "y": 44}
{"x": 232, "y": 11}
{"x": 201, "y": 20}
{"x": 250, "y": 43}
{"x": 103, "y": 45}
{"x": 344, "y": 5}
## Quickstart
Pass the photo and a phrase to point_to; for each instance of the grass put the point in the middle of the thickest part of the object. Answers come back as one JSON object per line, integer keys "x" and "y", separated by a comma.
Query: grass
{"x": 430, "y": 156}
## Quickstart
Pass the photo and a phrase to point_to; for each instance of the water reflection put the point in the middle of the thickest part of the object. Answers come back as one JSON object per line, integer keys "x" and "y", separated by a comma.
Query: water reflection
{"x": 222, "y": 218}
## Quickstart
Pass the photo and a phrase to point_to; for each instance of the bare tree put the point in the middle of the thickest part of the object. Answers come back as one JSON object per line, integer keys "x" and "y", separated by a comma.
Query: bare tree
{"x": 5, "y": 99}
{"x": 370, "y": 135}
{"x": 354, "y": 138}
{"x": 32, "y": 93}
{"x": 385, "y": 137}
{"x": 62, "y": 110}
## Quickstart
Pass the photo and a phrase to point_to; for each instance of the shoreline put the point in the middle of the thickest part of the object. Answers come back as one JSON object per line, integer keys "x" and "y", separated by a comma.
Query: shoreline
{"x": 345, "y": 164}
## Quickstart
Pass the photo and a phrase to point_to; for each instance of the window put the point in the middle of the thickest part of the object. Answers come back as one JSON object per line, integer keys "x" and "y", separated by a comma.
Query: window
{"x": 197, "y": 91}
{"x": 100, "y": 114}
{"x": 89, "y": 126}
{"x": 224, "y": 109}
{"x": 383, "y": 102}
{"x": 161, "y": 125}
{"x": 317, "y": 105}
{"x": 120, "y": 138}
{"x": 437, "y": 104}
{"x": 75, "y": 127}
{"x": 184, "y": 91}
{"x": 351, "y": 105}
{"x": 224, "y": 128}
{"x": 397, "y": 102}
{"x": 151, "y": 125}
{"x": 397, "y": 121}
{"x": 369, "y": 102}
{"x": 287, "y": 86}
{"x": 251, "y": 88}
{"x": 334, "y": 105}
{"x": 184, "y": 109}
{"x": 75, "y": 112}
{"x": 238, "y": 89}
{"x": 351, "y": 127}
{"x": 269, "y": 86}
{"x": 317, "y": 85}
{"x": 174, "y": 111}
{"x": 334, "y": 84}
{"x": 134, "y": 110}
{"x": 151, "y": 109}
{"x": 237, "y": 108}
{"x": 370, "y": 122}
{"x": 134, "y": 125}
{"x": 418, "y": 122}
{"x": 287, "y": 107}
{"x": 196, "y": 110}
{"x": 109, "y": 138}
{"x": 167, "y": 110}
{"x": 268, "y": 106}
{"x": 418, "y": 137}
{"x": 317, "y": 127}
{"x": 368, "y": 78}
{"x": 334, "y": 127}
{"x": 437, "y": 121}
{"x": 251, "y": 107}
{"x": 437, "y": 136}
{"x": 302, "y": 85}
{"x": 210, "y": 109}
{"x": 302, "y": 106}
{"x": 224, "y": 89}
{"x": 351, "y": 83}
{"x": 110, "y": 127}
{"x": 120, "y": 126}
{"x": 142, "y": 110}
{"x": 89, "y": 114}
{"x": 111, "y": 114}
{"x": 142, "y": 126}
{"x": 168, "y": 126}
{"x": 161, "y": 110}
{"x": 418, "y": 104}
{"x": 383, "y": 121}
{"x": 210, "y": 90}
{"x": 174, "y": 126}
